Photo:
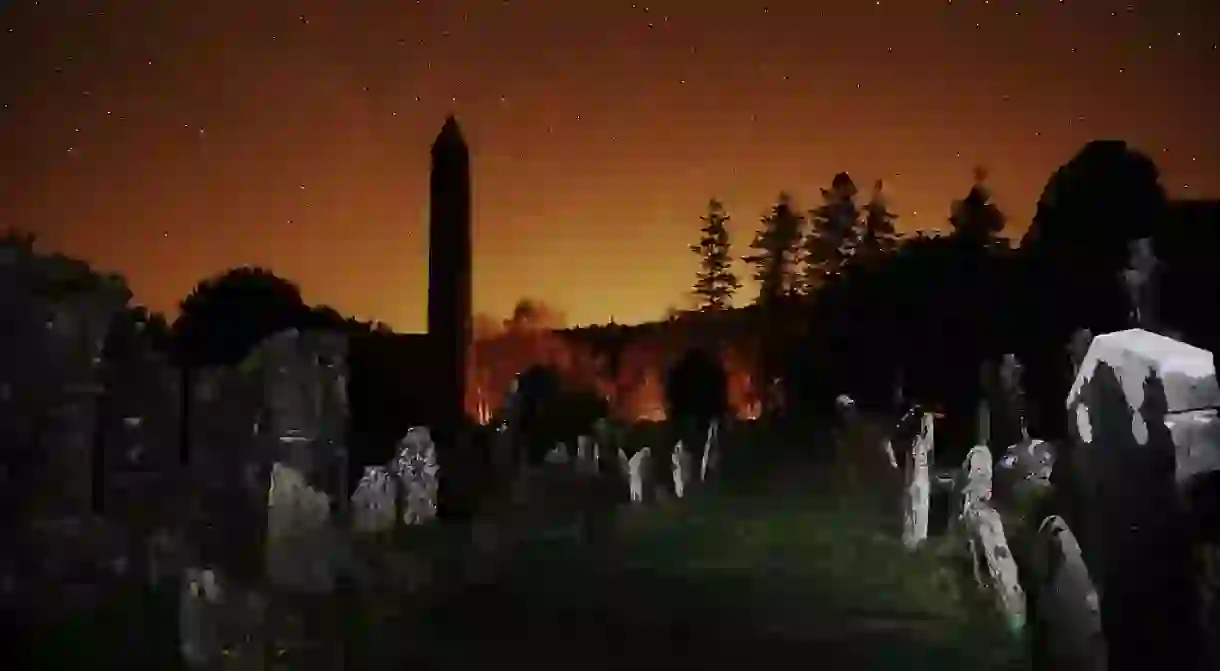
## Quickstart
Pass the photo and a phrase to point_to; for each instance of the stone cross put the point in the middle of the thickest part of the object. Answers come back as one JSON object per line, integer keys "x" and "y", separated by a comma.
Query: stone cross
{"x": 1139, "y": 279}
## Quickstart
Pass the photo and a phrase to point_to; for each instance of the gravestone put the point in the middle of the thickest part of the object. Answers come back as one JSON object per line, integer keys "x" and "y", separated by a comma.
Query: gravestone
{"x": 683, "y": 469}
{"x": 587, "y": 456}
{"x": 709, "y": 464}
{"x": 416, "y": 469}
{"x": 558, "y": 456}
{"x": 1068, "y": 631}
{"x": 1140, "y": 409}
{"x": 918, "y": 484}
{"x": 996, "y": 570}
{"x": 638, "y": 471}
{"x": 375, "y": 501}
{"x": 300, "y": 537}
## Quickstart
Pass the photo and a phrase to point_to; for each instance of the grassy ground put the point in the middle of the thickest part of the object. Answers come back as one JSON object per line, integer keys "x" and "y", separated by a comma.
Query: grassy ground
{"x": 778, "y": 566}
{"x": 797, "y": 577}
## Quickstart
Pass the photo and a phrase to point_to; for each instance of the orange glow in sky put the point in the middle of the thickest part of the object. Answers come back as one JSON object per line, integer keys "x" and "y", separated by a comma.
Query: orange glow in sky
{"x": 171, "y": 141}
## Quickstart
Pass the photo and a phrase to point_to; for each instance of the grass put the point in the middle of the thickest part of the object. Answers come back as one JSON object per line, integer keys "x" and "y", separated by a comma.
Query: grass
{"x": 719, "y": 581}
{"x": 780, "y": 566}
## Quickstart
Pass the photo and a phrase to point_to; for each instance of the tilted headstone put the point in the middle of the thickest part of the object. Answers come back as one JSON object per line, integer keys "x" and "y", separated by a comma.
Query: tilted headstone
{"x": 375, "y": 501}
{"x": 418, "y": 472}
{"x": 299, "y": 535}
{"x": 975, "y": 478}
{"x": 709, "y": 465}
{"x": 1139, "y": 413}
{"x": 1069, "y": 609}
{"x": 683, "y": 469}
{"x": 987, "y": 540}
{"x": 918, "y": 484}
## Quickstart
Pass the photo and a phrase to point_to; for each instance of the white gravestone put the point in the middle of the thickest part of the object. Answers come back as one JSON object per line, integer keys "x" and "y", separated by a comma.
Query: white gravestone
{"x": 637, "y": 470}
{"x": 710, "y": 462}
{"x": 683, "y": 469}
{"x": 918, "y": 485}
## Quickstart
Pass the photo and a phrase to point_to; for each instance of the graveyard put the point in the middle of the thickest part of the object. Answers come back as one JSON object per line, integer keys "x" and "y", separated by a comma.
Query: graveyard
{"x": 257, "y": 553}
{"x": 226, "y": 514}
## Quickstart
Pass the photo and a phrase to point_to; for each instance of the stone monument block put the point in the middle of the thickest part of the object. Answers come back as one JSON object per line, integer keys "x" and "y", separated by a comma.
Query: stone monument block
{"x": 1139, "y": 412}
{"x": 1187, "y": 373}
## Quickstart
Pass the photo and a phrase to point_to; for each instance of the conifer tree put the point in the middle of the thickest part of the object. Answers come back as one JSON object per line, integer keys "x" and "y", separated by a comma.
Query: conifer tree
{"x": 976, "y": 217}
{"x": 836, "y": 232}
{"x": 776, "y": 248}
{"x": 880, "y": 232}
{"x": 715, "y": 282}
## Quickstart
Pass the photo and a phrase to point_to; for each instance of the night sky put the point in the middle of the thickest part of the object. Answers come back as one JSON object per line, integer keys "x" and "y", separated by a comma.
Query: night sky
{"x": 173, "y": 140}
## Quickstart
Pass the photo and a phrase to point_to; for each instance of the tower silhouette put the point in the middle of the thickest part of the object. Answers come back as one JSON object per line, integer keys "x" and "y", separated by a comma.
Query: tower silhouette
{"x": 449, "y": 274}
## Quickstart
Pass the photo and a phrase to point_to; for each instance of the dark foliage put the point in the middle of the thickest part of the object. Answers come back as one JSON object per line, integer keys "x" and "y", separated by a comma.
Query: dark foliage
{"x": 696, "y": 388}
{"x": 533, "y": 409}
{"x": 226, "y": 316}
{"x": 934, "y": 312}
{"x": 1091, "y": 209}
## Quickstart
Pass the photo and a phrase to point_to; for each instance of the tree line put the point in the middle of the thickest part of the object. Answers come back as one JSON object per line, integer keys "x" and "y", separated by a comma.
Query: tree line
{"x": 793, "y": 253}
{"x": 848, "y": 306}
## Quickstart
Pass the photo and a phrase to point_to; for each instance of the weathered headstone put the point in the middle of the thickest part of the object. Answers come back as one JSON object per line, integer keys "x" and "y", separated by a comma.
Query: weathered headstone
{"x": 375, "y": 501}
{"x": 299, "y": 534}
{"x": 985, "y": 531}
{"x": 683, "y": 469}
{"x": 709, "y": 464}
{"x": 417, "y": 470}
{"x": 918, "y": 485}
{"x": 638, "y": 471}
{"x": 587, "y": 455}
{"x": 558, "y": 456}
{"x": 1069, "y": 631}
{"x": 199, "y": 615}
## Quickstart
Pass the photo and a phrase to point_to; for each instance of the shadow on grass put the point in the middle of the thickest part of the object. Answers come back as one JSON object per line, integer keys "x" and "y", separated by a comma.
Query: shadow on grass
{"x": 718, "y": 582}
